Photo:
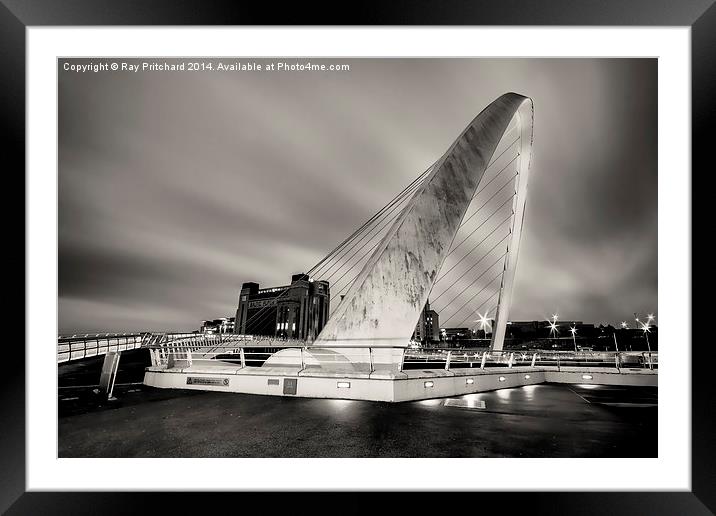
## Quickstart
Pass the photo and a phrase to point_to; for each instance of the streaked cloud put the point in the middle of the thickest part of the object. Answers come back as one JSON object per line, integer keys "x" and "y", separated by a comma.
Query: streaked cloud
{"x": 174, "y": 189}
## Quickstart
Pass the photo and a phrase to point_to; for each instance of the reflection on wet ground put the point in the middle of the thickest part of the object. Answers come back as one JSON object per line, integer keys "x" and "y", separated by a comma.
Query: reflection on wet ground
{"x": 546, "y": 420}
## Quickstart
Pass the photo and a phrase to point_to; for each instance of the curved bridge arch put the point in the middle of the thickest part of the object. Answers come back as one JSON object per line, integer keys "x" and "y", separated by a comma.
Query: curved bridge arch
{"x": 383, "y": 305}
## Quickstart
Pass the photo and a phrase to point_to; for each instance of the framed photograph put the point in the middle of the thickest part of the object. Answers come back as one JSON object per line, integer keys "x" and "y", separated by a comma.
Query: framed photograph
{"x": 278, "y": 251}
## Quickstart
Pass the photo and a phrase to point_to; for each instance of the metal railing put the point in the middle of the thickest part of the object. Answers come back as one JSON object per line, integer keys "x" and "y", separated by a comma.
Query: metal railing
{"x": 254, "y": 352}
{"x": 87, "y": 345}
{"x": 92, "y": 345}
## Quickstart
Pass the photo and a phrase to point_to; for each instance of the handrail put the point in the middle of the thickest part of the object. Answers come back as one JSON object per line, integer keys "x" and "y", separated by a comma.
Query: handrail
{"x": 205, "y": 347}
{"x": 201, "y": 348}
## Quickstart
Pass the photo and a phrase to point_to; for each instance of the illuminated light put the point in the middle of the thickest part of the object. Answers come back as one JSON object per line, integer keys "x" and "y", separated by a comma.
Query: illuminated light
{"x": 484, "y": 321}
{"x": 428, "y": 384}
{"x": 502, "y": 378}
{"x": 587, "y": 377}
{"x": 573, "y": 330}
{"x": 553, "y": 327}
{"x": 469, "y": 381}
{"x": 527, "y": 377}
{"x": 344, "y": 385}
{"x": 624, "y": 324}
{"x": 430, "y": 403}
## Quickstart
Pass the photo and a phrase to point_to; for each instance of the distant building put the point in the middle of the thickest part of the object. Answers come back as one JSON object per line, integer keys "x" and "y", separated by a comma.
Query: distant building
{"x": 295, "y": 311}
{"x": 223, "y": 325}
{"x": 428, "y": 327}
{"x": 455, "y": 334}
{"x": 542, "y": 329}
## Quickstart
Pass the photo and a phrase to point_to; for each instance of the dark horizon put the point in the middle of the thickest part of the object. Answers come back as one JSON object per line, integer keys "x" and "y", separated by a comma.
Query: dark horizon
{"x": 174, "y": 189}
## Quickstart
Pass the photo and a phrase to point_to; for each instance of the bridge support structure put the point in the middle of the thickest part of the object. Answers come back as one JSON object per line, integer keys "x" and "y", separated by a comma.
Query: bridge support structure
{"x": 360, "y": 352}
{"x": 383, "y": 304}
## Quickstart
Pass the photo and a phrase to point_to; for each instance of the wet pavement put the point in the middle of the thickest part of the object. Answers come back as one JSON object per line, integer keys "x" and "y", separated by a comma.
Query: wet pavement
{"x": 546, "y": 420}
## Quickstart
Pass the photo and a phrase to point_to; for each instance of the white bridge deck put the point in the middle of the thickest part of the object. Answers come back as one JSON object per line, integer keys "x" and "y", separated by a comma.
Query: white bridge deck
{"x": 421, "y": 374}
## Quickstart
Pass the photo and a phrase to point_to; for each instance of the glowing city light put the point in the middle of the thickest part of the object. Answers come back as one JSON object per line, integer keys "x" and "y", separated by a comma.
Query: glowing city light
{"x": 624, "y": 324}
{"x": 553, "y": 325}
{"x": 484, "y": 320}
{"x": 573, "y": 330}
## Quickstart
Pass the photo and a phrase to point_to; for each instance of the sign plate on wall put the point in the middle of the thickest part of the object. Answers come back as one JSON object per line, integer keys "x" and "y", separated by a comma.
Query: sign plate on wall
{"x": 193, "y": 380}
{"x": 289, "y": 385}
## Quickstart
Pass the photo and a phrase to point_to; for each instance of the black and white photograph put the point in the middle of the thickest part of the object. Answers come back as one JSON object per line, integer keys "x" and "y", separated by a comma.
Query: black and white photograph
{"x": 357, "y": 257}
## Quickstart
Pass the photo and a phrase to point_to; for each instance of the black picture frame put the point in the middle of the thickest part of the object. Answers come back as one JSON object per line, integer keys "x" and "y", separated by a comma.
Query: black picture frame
{"x": 17, "y": 15}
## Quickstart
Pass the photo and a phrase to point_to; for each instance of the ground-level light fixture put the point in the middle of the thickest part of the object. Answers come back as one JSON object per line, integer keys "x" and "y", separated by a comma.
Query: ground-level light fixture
{"x": 344, "y": 385}
{"x": 502, "y": 378}
{"x": 469, "y": 381}
{"x": 428, "y": 384}
{"x": 587, "y": 377}
{"x": 527, "y": 377}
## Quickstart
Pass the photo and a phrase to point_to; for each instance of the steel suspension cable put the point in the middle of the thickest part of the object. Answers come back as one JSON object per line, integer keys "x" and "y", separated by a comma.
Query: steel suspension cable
{"x": 360, "y": 230}
{"x": 473, "y": 232}
{"x": 374, "y": 219}
{"x": 353, "y": 266}
{"x": 483, "y": 188}
{"x": 472, "y": 283}
{"x": 465, "y": 221}
{"x": 473, "y": 297}
{"x": 405, "y": 192}
{"x": 356, "y": 242}
{"x": 479, "y": 307}
{"x": 471, "y": 267}
{"x": 492, "y": 162}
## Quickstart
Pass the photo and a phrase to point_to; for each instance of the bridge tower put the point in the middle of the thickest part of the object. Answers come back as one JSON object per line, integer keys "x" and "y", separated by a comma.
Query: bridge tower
{"x": 383, "y": 304}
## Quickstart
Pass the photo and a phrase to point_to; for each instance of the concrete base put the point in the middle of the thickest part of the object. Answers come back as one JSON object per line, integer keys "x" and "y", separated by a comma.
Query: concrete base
{"x": 381, "y": 386}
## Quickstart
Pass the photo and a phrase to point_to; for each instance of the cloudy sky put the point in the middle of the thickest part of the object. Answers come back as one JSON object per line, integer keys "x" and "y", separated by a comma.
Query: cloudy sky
{"x": 174, "y": 188}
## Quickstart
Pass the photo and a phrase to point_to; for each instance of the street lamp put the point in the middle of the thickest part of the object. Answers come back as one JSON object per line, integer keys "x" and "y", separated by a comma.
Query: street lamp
{"x": 484, "y": 322}
{"x": 645, "y": 328}
{"x": 552, "y": 329}
{"x": 553, "y": 325}
{"x": 574, "y": 338}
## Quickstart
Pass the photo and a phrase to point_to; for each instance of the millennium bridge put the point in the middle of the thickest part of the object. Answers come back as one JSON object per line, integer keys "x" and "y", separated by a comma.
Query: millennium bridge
{"x": 451, "y": 238}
